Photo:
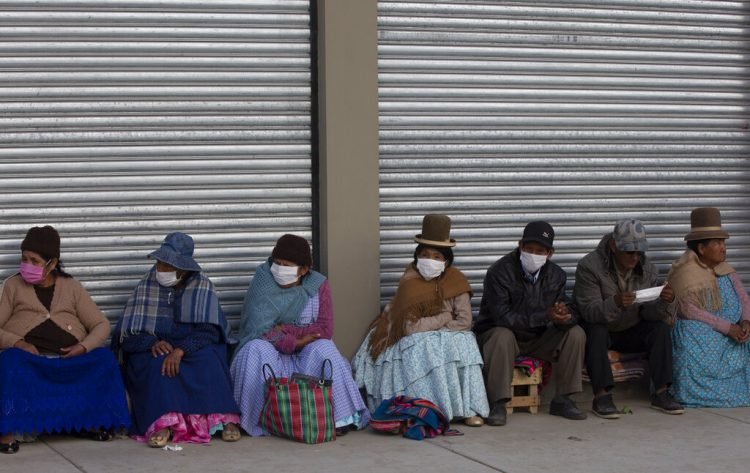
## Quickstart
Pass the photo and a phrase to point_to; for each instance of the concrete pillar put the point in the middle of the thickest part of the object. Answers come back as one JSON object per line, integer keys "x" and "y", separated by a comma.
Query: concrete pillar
{"x": 348, "y": 165}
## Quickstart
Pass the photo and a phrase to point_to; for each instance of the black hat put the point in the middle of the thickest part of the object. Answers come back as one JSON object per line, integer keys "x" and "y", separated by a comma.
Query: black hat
{"x": 293, "y": 248}
{"x": 44, "y": 241}
{"x": 539, "y": 232}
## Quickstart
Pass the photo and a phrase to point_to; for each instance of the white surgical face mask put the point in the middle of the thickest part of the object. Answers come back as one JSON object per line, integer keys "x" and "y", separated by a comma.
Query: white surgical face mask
{"x": 430, "y": 268}
{"x": 531, "y": 262}
{"x": 167, "y": 278}
{"x": 284, "y": 275}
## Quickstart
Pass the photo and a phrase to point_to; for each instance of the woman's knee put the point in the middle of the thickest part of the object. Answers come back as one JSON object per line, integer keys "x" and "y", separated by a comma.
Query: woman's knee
{"x": 323, "y": 347}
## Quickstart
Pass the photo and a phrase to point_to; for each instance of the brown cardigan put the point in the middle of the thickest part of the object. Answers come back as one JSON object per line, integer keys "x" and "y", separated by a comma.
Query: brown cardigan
{"x": 72, "y": 309}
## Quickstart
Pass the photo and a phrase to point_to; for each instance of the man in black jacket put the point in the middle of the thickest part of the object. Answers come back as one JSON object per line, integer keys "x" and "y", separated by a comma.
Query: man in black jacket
{"x": 525, "y": 311}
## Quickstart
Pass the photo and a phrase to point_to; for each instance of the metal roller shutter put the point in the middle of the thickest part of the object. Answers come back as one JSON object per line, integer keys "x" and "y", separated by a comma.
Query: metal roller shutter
{"x": 579, "y": 113}
{"x": 123, "y": 120}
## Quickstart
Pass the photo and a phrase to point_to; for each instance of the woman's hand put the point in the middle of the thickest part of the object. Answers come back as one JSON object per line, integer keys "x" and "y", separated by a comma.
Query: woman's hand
{"x": 73, "y": 350}
{"x": 26, "y": 346}
{"x": 736, "y": 333}
{"x": 171, "y": 365}
{"x": 161, "y": 348}
{"x": 305, "y": 340}
{"x": 667, "y": 294}
{"x": 745, "y": 327}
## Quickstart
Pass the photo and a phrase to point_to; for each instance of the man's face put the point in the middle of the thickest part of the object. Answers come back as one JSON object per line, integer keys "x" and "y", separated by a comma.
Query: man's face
{"x": 625, "y": 260}
{"x": 535, "y": 248}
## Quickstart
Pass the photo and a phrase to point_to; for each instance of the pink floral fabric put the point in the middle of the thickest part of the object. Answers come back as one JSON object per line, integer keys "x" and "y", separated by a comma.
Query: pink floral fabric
{"x": 189, "y": 428}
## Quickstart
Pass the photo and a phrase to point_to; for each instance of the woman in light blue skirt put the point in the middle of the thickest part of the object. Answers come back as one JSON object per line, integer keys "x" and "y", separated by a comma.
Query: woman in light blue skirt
{"x": 421, "y": 345}
{"x": 711, "y": 337}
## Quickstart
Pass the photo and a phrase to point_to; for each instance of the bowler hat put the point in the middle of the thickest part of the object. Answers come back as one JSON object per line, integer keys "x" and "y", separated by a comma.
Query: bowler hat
{"x": 705, "y": 224}
{"x": 436, "y": 229}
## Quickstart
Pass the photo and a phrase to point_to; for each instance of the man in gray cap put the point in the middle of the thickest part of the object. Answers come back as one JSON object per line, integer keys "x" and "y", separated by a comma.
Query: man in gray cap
{"x": 616, "y": 318}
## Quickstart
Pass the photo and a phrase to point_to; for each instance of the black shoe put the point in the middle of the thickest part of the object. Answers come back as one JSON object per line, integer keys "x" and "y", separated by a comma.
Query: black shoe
{"x": 565, "y": 407}
{"x": 9, "y": 448}
{"x": 605, "y": 408}
{"x": 498, "y": 415}
{"x": 345, "y": 429}
{"x": 664, "y": 402}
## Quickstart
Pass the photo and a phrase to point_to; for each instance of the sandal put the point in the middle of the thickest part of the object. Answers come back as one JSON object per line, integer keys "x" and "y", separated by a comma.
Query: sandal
{"x": 160, "y": 438}
{"x": 9, "y": 448}
{"x": 230, "y": 433}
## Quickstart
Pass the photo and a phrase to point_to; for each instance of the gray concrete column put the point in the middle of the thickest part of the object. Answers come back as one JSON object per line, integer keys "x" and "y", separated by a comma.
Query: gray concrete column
{"x": 349, "y": 180}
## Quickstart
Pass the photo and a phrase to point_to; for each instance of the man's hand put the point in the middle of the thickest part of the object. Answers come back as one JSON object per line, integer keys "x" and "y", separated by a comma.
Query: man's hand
{"x": 624, "y": 299}
{"x": 171, "y": 365}
{"x": 160, "y": 348}
{"x": 26, "y": 346}
{"x": 73, "y": 350}
{"x": 559, "y": 314}
{"x": 667, "y": 294}
{"x": 305, "y": 340}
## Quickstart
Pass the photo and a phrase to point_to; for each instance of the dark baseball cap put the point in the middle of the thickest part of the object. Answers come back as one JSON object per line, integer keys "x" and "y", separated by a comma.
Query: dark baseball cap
{"x": 539, "y": 232}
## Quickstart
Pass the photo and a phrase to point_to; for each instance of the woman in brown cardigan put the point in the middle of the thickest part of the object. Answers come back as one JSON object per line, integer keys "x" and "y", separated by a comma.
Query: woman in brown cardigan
{"x": 53, "y": 371}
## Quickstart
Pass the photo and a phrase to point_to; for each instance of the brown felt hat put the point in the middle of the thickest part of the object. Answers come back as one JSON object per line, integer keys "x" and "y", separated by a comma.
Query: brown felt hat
{"x": 42, "y": 240}
{"x": 293, "y": 248}
{"x": 436, "y": 229}
{"x": 705, "y": 224}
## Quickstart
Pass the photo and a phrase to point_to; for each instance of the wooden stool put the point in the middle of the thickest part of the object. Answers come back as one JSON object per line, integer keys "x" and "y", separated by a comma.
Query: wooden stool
{"x": 525, "y": 391}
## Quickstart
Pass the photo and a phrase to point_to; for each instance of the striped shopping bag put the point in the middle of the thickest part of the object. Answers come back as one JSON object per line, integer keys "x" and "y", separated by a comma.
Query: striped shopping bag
{"x": 298, "y": 408}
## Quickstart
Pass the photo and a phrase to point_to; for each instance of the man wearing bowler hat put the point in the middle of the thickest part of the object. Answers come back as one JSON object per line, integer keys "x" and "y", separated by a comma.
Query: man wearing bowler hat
{"x": 614, "y": 317}
{"x": 525, "y": 311}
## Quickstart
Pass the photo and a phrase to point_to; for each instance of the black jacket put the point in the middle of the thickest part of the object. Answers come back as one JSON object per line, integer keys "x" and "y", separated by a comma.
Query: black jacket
{"x": 510, "y": 300}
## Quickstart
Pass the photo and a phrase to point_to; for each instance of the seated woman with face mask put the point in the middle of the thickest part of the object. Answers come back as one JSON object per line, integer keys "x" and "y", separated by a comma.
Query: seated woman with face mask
{"x": 173, "y": 338}
{"x": 55, "y": 376}
{"x": 287, "y": 322}
{"x": 421, "y": 345}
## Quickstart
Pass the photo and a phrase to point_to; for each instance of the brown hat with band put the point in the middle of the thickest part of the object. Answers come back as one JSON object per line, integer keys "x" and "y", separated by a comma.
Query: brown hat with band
{"x": 705, "y": 224}
{"x": 436, "y": 229}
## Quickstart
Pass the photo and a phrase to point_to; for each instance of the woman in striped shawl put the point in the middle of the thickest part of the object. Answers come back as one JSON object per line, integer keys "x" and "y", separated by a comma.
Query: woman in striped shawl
{"x": 173, "y": 338}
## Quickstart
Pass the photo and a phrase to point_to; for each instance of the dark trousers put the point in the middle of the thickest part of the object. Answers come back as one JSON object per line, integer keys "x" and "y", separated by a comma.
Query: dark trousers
{"x": 652, "y": 337}
{"x": 563, "y": 348}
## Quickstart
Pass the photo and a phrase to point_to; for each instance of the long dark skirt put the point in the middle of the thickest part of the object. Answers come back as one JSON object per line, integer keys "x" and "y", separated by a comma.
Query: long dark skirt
{"x": 40, "y": 394}
{"x": 203, "y": 386}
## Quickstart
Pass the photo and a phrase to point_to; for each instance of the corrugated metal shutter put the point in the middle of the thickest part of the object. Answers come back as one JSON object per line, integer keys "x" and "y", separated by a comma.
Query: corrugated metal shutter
{"x": 123, "y": 120}
{"x": 579, "y": 113}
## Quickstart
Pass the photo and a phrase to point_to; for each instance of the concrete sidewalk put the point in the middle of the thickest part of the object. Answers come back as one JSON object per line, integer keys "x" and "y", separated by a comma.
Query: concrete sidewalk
{"x": 648, "y": 441}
